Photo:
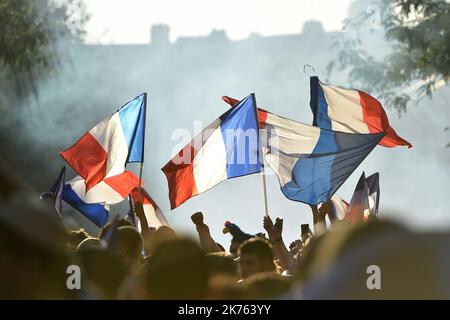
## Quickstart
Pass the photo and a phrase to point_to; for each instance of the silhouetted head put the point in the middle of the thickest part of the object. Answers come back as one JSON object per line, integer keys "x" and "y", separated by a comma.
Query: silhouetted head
{"x": 255, "y": 256}
{"x": 221, "y": 263}
{"x": 76, "y": 237}
{"x": 353, "y": 261}
{"x": 103, "y": 272}
{"x": 177, "y": 270}
{"x": 267, "y": 285}
{"x": 129, "y": 245}
{"x": 162, "y": 235}
{"x": 120, "y": 223}
{"x": 89, "y": 243}
{"x": 224, "y": 287}
{"x": 238, "y": 236}
{"x": 33, "y": 250}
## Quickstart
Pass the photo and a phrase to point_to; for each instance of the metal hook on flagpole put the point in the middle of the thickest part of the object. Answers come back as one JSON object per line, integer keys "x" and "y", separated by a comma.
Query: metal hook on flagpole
{"x": 310, "y": 66}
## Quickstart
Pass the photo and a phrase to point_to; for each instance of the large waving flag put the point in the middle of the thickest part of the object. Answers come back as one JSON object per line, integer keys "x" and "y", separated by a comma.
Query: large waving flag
{"x": 311, "y": 163}
{"x": 105, "y": 149}
{"x": 353, "y": 111}
{"x": 94, "y": 203}
{"x": 153, "y": 214}
{"x": 227, "y": 148}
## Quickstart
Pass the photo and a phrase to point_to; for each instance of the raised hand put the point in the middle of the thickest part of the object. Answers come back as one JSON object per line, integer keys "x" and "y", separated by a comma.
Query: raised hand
{"x": 268, "y": 226}
{"x": 324, "y": 209}
{"x": 278, "y": 228}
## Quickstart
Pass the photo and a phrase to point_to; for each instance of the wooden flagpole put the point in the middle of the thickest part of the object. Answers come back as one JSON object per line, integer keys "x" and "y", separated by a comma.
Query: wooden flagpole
{"x": 261, "y": 156}
{"x": 141, "y": 216}
{"x": 143, "y": 147}
{"x": 266, "y": 207}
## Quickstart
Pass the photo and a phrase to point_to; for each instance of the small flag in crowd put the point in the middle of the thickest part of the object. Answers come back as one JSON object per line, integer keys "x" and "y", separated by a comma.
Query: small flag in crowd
{"x": 94, "y": 203}
{"x": 311, "y": 163}
{"x": 359, "y": 204}
{"x": 153, "y": 214}
{"x": 365, "y": 200}
{"x": 373, "y": 184}
{"x": 105, "y": 149}
{"x": 352, "y": 111}
{"x": 227, "y": 148}
{"x": 56, "y": 191}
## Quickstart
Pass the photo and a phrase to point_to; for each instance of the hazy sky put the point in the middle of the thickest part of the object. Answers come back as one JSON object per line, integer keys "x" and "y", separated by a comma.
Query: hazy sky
{"x": 129, "y": 21}
{"x": 184, "y": 88}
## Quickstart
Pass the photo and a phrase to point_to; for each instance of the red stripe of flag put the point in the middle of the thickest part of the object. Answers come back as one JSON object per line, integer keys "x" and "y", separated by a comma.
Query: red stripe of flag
{"x": 180, "y": 176}
{"x": 123, "y": 183}
{"x": 92, "y": 166}
{"x": 377, "y": 121}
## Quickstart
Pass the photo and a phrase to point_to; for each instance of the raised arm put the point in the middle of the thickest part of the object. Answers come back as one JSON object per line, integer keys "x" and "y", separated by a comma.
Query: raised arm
{"x": 206, "y": 241}
{"x": 318, "y": 220}
{"x": 274, "y": 232}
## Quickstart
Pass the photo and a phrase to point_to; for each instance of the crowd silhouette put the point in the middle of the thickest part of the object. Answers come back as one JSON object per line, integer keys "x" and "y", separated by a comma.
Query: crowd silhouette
{"x": 336, "y": 260}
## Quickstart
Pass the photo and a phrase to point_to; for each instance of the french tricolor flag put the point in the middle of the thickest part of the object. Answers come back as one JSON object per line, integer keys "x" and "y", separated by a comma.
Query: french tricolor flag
{"x": 106, "y": 148}
{"x": 94, "y": 203}
{"x": 311, "y": 163}
{"x": 153, "y": 214}
{"x": 353, "y": 111}
{"x": 227, "y": 148}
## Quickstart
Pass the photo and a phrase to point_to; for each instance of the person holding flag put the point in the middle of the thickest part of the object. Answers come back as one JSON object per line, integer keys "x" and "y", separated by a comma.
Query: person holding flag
{"x": 105, "y": 150}
{"x": 94, "y": 204}
{"x": 148, "y": 213}
{"x": 100, "y": 157}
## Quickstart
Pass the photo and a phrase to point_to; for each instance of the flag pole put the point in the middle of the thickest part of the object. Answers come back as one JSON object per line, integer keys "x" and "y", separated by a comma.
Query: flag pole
{"x": 143, "y": 145}
{"x": 261, "y": 156}
{"x": 265, "y": 189}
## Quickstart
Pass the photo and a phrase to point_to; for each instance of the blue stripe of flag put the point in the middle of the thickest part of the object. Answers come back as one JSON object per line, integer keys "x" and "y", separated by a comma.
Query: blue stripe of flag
{"x": 132, "y": 120}
{"x": 95, "y": 212}
{"x": 319, "y": 105}
{"x": 242, "y": 146}
{"x": 317, "y": 176}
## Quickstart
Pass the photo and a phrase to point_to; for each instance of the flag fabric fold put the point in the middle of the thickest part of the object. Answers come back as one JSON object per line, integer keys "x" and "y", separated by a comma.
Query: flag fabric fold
{"x": 312, "y": 163}
{"x": 352, "y": 111}
{"x": 106, "y": 148}
{"x": 227, "y": 148}
{"x": 94, "y": 203}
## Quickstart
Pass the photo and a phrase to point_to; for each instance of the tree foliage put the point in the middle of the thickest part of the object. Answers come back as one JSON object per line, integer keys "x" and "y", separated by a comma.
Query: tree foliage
{"x": 418, "y": 32}
{"x": 29, "y": 32}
